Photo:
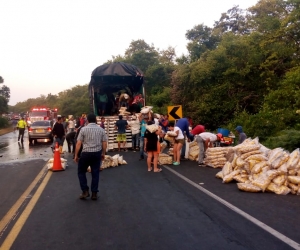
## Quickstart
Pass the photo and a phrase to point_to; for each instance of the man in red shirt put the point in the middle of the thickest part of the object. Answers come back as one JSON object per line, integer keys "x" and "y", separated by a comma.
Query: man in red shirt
{"x": 196, "y": 131}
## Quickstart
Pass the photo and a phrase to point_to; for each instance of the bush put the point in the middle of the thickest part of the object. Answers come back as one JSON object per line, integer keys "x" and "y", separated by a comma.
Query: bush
{"x": 287, "y": 139}
{"x": 3, "y": 122}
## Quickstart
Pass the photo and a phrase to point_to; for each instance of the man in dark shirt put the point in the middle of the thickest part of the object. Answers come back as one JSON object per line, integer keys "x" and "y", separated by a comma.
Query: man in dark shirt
{"x": 184, "y": 124}
{"x": 121, "y": 125}
{"x": 58, "y": 132}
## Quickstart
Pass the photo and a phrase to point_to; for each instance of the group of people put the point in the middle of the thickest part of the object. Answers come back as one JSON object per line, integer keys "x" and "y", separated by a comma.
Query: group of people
{"x": 92, "y": 142}
{"x": 108, "y": 103}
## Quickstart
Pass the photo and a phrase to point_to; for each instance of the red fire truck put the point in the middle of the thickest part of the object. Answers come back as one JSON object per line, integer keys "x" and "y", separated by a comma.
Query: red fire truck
{"x": 40, "y": 114}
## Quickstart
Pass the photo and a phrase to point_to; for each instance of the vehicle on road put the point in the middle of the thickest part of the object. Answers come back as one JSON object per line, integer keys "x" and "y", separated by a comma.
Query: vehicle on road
{"x": 40, "y": 130}
{"x": 41, "y": 114}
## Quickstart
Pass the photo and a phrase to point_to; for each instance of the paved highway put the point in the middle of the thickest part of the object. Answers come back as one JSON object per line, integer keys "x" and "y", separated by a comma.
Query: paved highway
{"x": 183, "y": 207}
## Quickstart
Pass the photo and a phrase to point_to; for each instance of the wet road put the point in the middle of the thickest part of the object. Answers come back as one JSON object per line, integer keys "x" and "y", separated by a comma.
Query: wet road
{"x": 12, "y": 150}
{"x": 136, "y": 209}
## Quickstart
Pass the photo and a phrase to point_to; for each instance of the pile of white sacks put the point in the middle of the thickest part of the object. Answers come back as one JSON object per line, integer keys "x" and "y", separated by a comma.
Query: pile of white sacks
{"x": 111, "y": 161}
{"x": 257, "y": 168}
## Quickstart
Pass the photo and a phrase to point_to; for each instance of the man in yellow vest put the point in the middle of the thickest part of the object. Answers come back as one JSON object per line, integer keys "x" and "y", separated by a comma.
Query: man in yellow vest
{"x": 21, "y": 125}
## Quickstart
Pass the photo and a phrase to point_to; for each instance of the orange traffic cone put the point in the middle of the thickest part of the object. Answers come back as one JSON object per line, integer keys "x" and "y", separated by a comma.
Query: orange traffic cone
{"x": 57, "y": 162}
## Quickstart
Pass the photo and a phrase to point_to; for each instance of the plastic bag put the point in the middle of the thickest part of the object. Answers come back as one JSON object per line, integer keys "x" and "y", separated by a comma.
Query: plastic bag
{"x": 65, "y": 146}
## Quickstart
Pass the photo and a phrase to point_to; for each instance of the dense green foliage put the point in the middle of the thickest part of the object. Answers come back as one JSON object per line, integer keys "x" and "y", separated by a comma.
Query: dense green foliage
{"x": 245, "y": 70}
{"x": 4, "y": 97}
{"x": 3, "y": 122}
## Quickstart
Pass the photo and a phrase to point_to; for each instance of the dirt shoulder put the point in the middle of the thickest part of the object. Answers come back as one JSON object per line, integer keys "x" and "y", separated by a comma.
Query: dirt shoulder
{"x": 4, "y": 131}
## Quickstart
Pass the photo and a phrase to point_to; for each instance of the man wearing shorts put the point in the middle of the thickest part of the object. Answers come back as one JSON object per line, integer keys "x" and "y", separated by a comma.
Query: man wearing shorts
{"x": 121, "y": 125}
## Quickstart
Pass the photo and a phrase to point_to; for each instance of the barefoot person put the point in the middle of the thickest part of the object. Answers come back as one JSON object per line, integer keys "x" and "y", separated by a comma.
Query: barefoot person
{"x": 151, "y": 147}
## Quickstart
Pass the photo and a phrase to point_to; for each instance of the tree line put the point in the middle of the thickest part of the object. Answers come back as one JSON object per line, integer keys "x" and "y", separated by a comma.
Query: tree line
{"x": 242, "y": 71}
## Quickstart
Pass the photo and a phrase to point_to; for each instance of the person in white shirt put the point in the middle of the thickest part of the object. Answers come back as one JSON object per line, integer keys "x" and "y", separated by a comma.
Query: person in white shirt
{"x": 179, "y": 141}
{"x": 71, "y": 124}
{"x": 205, "y": 140}
{"x": 135, "y": 127}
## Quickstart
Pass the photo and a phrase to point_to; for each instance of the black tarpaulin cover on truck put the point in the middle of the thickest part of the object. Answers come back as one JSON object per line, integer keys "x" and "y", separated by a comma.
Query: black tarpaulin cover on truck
{"x": 117, "y": 75}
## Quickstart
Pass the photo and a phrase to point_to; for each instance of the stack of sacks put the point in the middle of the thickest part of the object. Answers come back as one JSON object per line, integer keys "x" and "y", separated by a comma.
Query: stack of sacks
{"x": 257, "y": 169}
{"x": 216, "y": 157}
{"x": 164, "y": 159}
{"x": 112, "y": 161}
{"x": 193, "y": 151}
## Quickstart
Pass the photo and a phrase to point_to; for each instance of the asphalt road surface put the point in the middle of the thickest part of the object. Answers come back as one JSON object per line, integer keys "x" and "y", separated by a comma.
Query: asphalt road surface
{"x": 182, "y": 207}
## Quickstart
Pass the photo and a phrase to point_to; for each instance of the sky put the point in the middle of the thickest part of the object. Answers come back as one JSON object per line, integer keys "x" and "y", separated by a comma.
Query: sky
{"x": 48, "y": 46}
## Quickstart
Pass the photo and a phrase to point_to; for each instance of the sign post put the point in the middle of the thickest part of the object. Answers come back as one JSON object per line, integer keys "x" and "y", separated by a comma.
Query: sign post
{"x": 175, "y": 112}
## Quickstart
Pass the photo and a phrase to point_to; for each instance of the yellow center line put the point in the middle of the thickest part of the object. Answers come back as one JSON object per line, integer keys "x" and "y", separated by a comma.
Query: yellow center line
{"x": 12, "y": 212}
{"x": 23, "y": 217}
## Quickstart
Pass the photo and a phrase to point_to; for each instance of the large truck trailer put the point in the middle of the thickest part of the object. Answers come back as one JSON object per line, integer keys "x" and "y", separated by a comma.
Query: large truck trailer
{"x": 115, "y": 79}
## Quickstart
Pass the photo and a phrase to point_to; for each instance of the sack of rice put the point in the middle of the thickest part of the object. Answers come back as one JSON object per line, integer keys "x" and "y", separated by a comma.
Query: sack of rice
{"x": 169, "y": 138}
{"x": 247, "y": 187}
{"x": 265, "y": 179}
{"x": 240, "y": 179}
{"x": 219, "y": 175}
{"x": 282, "y": 190}
{"x": 152, "y": 128}
{"x": 256, "y": 157}
{"x": 248, "y": 148}
{"x": 273, "y": 154}
{"x": 165, "y": 159}
{"x": 294, "y": 159}
{"x": 279, "y": 180}
{"x": 294, "y": 188}
{"x": 280, "y": 160}
{"x": 244, "y": 156}
{"x": 294, "y": 179}
{"x": 227, "y": 169}
{"x": 228, "y": 178}
{"x": 171, "y": 133}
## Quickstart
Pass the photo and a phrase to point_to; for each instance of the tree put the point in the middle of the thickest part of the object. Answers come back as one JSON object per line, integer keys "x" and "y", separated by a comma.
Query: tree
{"x": 201, "y": 40}
{"x": 1, "y": 80}
{"x": 3, "y": 105}
{"x": 234, "y": 20}
{"x": 5, "y": 92}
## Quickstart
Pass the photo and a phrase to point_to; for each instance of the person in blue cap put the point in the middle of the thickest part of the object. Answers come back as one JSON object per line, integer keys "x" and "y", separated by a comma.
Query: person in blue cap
{"x": 242, "y": 135}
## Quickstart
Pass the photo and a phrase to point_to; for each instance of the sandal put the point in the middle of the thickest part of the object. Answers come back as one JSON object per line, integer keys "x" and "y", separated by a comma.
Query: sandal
{"x": 158, "y": 170}
{"x": 149, "y": 169}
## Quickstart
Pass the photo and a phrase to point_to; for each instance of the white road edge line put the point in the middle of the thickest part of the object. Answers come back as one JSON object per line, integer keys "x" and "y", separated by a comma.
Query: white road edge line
{"x": 260, "y": 224}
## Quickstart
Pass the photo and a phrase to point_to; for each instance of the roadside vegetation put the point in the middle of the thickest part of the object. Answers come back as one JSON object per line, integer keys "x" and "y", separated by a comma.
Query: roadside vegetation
{"x": 245, "y": 70}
